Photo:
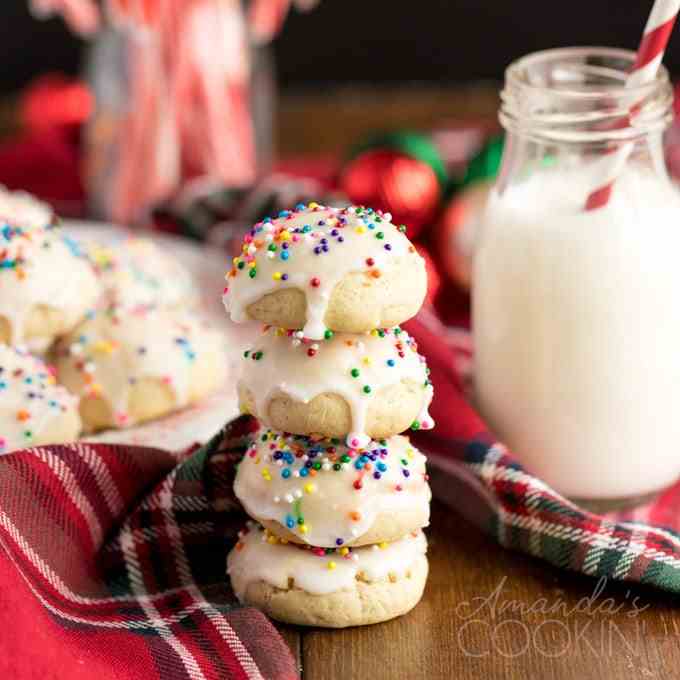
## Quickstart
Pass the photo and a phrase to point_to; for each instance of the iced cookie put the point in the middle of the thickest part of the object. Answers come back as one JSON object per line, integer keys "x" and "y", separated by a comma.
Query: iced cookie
{"x": 136, "y": 272}
{"x": 325, "y": 494}
{"x": 34, "y": 410}
{"x": 20, "y": 209}
{"x": 356, "y": 387}
{"x": 330, "y": 588}
{"x": 319, "y": 268}
{"x": 132, "y": 366}
{"x": 46, "y": 286}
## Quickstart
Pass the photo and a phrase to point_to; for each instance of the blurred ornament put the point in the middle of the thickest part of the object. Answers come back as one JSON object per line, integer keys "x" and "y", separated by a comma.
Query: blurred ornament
{"x": 401, "y": 173}
{"x": 55, "y": 101}
{"x": 434, "y": 279}
{"x": 459, "y": 140}
{"x": 461, "y": 220}
{"x": 485, "y": 164}
{"x": 458, "y": 230}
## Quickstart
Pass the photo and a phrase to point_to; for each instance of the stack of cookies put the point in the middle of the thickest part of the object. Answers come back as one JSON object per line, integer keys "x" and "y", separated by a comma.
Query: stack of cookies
{"x": 338, "y": 498}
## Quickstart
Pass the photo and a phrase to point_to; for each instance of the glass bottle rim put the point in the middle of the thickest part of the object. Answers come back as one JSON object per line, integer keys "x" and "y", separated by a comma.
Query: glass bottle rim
{"x": 579, "y": 94}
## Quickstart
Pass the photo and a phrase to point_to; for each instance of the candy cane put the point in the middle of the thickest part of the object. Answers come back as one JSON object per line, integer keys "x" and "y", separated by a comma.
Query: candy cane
{"x": 148, "y": 169}
{"x": 136, "y": 13}
{"x": 649, "y": 56}
{"x": 189, "y": 90}
{"x": 212, "y": 91}
{"x": 82, "y": 16}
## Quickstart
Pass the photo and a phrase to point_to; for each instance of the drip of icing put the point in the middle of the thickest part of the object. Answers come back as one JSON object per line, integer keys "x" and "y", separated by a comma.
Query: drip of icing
{"x": 317, "y": 304}
{"x": 336, "y": 491}
{"x": 356, "y": 438}
{"x": 136, "y": 272}
{"x": 425, "y": 420}
{"x": 115, "y": 348}
{"x": 353, "y": 366}
{"x": 312, "y": 248}
{"x": 30, "y": 399}
{"x": 259, "y": 556}
{"x": 39, "y": 267}
{"x": 19, "y": 208}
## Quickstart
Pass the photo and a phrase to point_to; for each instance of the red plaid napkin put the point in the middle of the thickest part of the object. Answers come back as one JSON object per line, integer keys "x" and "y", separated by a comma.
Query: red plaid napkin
{"x": 113, "y": 558}
{"x": 112, "y": 565}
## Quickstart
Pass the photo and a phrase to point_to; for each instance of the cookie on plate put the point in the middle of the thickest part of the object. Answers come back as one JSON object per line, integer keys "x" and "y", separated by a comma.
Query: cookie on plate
{"x": 21, "y": 209}
{"x": 130, "y": 366}
{"x": 34, "y": 410}
{"x": 334, "y": 589}
{"x": 325, "y": 494}
{"x": 47, "y": 286}
{"x": 136, "y": 272}
{"x": 320, "y": 268}
{"x": 356, "y": 387}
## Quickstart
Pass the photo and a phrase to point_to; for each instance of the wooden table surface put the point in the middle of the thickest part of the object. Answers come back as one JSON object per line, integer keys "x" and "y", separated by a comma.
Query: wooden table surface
{"x": 490, "y": 613}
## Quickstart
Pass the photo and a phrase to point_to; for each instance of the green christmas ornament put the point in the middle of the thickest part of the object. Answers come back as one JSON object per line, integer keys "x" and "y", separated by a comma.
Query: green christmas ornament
{"x": 401, "y": 173}
{"x": 486, "y": 164}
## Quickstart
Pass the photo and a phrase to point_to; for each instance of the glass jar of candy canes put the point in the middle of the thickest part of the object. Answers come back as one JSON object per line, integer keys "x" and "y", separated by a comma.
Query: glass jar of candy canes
{"x": 576, "y": 284}
{"x": 163, "y": 120}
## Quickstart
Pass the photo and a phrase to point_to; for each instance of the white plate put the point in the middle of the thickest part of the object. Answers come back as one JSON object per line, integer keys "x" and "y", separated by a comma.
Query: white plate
{"x": 200, "y": 422}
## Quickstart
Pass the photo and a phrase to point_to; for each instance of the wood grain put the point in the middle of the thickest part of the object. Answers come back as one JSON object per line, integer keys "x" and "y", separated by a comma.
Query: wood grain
{"x": 293, "y": 637}
{"x": 343, "y": 116}
{"x": 526, "y": 634}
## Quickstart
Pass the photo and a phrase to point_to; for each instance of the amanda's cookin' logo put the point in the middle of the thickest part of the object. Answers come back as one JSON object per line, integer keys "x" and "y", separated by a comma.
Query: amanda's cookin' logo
{"x": 595, "y": 625}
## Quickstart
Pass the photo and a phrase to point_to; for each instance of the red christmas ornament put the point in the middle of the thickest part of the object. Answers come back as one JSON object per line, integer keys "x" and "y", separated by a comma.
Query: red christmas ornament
{"x": 54, "y": 100}
{"x": 394, "y": 182}
{"x": 434, "y": 279}
{"x": 458, "y": 229}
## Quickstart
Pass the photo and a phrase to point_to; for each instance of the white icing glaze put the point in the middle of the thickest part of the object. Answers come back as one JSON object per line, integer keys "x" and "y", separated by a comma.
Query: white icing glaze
{"x": 136, "y": 272}
{"x": 289, "y": 478}
{"x": 20, "y": 209}
{"x": 42, "y": 267}
{"x": 258, "y": 556}
{"x": 115, "y": 348}
{"x": 30, "y": 399}
{"x": 283, "y": 362}
{"x": 355, "y": 239}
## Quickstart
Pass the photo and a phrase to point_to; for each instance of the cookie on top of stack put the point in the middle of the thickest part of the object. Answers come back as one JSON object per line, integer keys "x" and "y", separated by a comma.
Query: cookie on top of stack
{"x": 338, "y": 498}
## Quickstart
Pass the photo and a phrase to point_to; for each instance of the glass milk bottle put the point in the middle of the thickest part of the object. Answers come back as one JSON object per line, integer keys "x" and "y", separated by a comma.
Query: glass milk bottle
{"x": 576, "y": 312}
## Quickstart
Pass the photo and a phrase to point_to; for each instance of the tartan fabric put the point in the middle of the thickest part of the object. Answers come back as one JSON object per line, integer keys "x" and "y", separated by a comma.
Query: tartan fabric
{"x": 124, "y": 549}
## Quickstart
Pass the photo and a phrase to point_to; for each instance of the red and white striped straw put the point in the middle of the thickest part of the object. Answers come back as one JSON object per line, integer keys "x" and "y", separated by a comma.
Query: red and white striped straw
{"x": 649, "y": 56}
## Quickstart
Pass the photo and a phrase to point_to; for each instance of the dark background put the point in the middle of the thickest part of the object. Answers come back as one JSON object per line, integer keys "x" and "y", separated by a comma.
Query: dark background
{"x": 373, "y": 41}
